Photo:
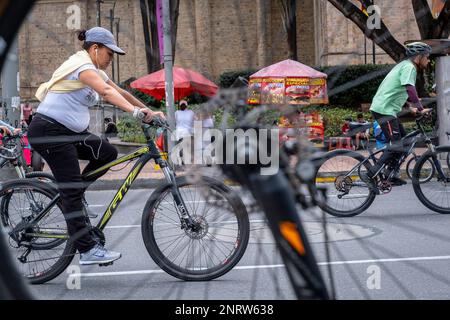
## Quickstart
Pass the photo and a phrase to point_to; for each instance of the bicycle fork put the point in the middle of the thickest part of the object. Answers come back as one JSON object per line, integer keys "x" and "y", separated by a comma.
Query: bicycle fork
{"x": 185, "y": 218}
{"x": 441, "y": 175}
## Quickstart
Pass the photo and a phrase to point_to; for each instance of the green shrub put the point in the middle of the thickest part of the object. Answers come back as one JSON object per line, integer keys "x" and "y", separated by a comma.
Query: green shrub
{"x": 129, "y": 130}
{"x": 226, "y": 79}
{"x": 334, "y": 117}
{"x": 349, "y": 86}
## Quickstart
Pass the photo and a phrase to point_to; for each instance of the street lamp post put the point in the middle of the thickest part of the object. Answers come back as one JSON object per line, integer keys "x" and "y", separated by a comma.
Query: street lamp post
{"x": 373, "y": 44}
{"x": 113, "y": 69}
{"x": 117, "y": 41}
{"x": 168, "y": 67}
{"x": 99, "y": 20}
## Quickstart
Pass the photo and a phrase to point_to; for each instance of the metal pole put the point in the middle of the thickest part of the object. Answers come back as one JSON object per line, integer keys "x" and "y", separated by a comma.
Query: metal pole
{"x": 10, "y": 87}
{"x": 11, "y": 98}
{"x": 373, "y": 44}
{"x": 365, "y": 49}
{"x": 443, "y": 99}
{"x": 118, "y": 65}
{"x": 102, "y": 121}
{"x": 117, "y": 56}
{"x": 99, "y": 20}
{"x": 111, "y": 24}
{"x": 373, "y": 53}
{"x": 168, "y": 67}
{"x": 113, "y": 71}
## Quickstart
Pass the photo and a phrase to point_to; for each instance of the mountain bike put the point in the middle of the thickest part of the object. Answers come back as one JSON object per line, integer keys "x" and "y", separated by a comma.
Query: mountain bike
{"x": 184, "y": 230}
{"x": 349, "y": 195}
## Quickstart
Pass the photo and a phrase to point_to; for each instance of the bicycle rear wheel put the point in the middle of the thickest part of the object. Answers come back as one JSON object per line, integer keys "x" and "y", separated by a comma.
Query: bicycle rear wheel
{"x": 203, "y": 254}
{"x": 43, "y": 250}
{"x": 347, "y": 194}
{"x": 434, "y": 193}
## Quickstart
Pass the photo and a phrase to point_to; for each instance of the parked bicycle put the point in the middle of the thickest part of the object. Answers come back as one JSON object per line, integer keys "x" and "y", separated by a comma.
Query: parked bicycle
{"x": 15, "y": 150}
{"x": 349, "y": 195}
{"x": 183, "y": 230}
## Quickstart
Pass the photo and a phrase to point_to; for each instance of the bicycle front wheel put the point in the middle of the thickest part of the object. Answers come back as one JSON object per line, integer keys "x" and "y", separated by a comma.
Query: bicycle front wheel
{"x": 434, "y": 193}
{"x": 426, "y": 175}
{"x": 347, "y": 195}
{"x": 203, "y": 253}
{"x": 42, "y": 251}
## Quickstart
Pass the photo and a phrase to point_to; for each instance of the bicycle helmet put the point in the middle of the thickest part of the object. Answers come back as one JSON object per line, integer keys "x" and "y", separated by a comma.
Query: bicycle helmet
{"x": 417, "y": 48}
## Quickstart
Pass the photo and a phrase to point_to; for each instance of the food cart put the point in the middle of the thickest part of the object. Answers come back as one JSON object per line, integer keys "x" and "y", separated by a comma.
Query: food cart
{"x": 290, "y": 82}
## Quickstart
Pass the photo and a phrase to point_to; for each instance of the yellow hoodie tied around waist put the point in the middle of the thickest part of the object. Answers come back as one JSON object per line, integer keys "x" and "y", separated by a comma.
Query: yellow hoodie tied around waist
{"x": 57, "y": 82}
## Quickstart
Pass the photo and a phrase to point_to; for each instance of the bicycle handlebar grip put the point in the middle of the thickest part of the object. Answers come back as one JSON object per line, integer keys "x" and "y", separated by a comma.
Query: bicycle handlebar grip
{"x": 158, "y": 122}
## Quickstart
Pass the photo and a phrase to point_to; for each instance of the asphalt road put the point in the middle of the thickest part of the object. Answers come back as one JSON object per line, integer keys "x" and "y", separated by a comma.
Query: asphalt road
{"x": 397, "y": 249}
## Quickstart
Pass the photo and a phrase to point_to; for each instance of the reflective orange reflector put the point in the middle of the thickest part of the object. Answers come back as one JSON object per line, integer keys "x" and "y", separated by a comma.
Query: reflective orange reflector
{"x": 289, "y": 231}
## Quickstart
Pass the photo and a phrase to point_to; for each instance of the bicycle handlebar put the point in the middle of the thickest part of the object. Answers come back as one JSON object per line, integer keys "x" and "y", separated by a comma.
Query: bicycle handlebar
{"x": 159, "y": 122}
{"x": 155, "y": 122}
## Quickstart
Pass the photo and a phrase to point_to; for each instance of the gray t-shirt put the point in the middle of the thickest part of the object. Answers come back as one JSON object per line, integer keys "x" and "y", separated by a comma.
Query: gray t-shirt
{"x": 71, "y": 109}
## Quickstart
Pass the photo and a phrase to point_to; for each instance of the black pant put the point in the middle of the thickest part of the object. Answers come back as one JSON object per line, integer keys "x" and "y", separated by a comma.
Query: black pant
{"x": 394, "y": 131}
{"x": 61, "y": 148}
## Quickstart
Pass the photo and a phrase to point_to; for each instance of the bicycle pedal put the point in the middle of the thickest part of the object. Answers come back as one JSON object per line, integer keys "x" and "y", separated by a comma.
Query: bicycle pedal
{"x": 92, "y": 215}
{"x": 106, "y": 264}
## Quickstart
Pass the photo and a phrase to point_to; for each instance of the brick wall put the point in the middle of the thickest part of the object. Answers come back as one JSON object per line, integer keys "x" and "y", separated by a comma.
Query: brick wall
{"x": 343, "y": 42}
{"x": 45, "y": 41}
{"x": 213, "y": 36}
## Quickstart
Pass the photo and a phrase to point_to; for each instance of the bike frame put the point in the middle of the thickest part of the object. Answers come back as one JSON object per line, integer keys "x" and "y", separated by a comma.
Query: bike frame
{"x": 143, "y": 155}
{"x": 414, "y": 134}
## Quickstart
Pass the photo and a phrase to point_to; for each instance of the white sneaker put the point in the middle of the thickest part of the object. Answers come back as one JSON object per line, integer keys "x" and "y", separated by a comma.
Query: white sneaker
{"x": 98, "y": 255}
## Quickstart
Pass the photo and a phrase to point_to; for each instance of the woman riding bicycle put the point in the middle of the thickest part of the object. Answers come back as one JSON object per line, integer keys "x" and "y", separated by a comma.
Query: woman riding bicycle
{"x": 396, "y": 89}
{"x": 59, "y": 130}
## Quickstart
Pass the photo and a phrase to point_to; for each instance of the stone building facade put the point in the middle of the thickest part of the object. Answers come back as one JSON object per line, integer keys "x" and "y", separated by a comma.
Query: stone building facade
{"x": 213, "y": 35}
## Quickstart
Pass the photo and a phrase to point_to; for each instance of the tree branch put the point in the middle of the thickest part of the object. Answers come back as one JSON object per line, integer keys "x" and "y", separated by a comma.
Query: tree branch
{"x": 382, "y": 37}
{"x": 443, "y": 25}
{"x": 424, "y": 18}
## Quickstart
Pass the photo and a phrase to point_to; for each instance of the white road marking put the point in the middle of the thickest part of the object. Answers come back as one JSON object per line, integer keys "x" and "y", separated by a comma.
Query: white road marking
{"x": 271, "y": 266}
{"x": 138, "y": 225}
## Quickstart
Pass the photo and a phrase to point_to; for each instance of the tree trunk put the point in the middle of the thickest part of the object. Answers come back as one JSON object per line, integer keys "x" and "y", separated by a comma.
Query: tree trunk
{"x": 382, "y": 37}
{"x": 155, "y": 64}
{"x": 424, "y": 18}
{"x": 289, "y": 16}
{"x": 443, "y": 25}
{"x": 149, "y": 20}
{"x": 146, "y": 26}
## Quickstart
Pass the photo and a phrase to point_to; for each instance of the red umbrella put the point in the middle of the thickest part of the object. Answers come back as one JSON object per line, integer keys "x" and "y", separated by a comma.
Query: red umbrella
{"x": 185, "y": 82}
